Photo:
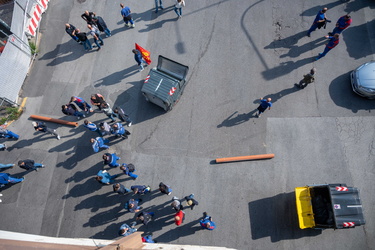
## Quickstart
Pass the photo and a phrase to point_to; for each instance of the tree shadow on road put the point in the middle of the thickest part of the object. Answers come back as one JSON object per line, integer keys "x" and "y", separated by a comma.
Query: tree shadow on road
{"x": 314, "y": 10}
{"x": 357, "y": 43}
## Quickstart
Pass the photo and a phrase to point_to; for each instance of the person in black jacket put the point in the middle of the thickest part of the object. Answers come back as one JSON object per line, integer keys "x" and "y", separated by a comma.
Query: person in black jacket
{"x": 83, "y": 38}
{"x": 40, "y": 126}
{"x": 70, "y": 28}
{"x": 30, "y": 165}
{"x": 102, "y": 26}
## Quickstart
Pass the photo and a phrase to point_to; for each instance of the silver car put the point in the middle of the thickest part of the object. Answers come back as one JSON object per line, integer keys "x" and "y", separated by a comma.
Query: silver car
{"x": 363, "y": 80}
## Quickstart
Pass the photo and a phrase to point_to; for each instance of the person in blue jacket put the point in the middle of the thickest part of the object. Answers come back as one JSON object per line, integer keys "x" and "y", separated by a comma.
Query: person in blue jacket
{"x": 319, "y": 21}
{"x": 128, "y": 170}
{"x": 105, "y": 178}
{"x": 264, "y": 104}
{"x": 119, "y": 130}
{"x": 111, "y": 160}
{"x": 139, "y": 59}
{"x": 333, "y": 42}
{"x": 126, "y": 230}
{"x": 6, "y": 179}
{"x": 206, "y": 222}
{"x": 5, "y": 133}
{"x": 99, "y": 143}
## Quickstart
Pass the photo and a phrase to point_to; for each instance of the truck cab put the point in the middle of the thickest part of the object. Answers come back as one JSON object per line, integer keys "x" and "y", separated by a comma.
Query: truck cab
{"x": 333, "y": 206}
{"x": 165, "y": 84}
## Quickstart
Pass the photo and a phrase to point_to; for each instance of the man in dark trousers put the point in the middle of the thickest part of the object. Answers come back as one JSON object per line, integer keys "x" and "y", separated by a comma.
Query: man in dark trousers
{"x": 333, "y": 41}
{"x": 102, "y": 26}
{"x": 319, "y": 21}
{"x": 69, "y": 28}
{"x": 264, "y": 104}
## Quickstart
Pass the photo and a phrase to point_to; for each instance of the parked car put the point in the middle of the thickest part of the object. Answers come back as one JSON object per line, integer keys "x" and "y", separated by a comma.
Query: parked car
{"x": 363, "y": 80}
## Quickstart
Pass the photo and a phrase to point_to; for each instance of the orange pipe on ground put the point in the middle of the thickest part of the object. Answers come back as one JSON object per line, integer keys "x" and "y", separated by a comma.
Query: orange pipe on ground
{"x": 48, "y": 119}
{"x": 245, "y": 158}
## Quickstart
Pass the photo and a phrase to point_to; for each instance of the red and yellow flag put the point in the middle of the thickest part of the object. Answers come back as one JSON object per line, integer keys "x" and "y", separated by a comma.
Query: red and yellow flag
{"x": 145, "y": 53}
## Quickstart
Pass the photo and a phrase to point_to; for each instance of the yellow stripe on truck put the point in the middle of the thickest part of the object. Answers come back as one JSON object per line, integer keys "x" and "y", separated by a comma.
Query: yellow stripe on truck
{"x": 304, "y": 208}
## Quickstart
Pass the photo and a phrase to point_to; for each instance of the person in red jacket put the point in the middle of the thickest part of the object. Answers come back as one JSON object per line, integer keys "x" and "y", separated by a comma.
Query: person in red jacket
{"x": 179, "y": 217}
{"x": 343, "y": 23}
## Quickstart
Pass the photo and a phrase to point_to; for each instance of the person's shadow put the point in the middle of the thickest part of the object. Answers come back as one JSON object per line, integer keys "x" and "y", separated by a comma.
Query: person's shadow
{"x": 285, "y": 68}
{"x": 117, "y": 77}
{"x": 276, "y": 96}
{"x": 233, "y": 120}
{"x": 314, "y": 10}
{"x": 296, "y": 51}
{"x": 287, "y": 41}
{"x": 180, "y": 231}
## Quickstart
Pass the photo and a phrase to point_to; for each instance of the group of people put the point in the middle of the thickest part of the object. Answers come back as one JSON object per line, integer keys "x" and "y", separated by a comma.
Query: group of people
{"x": 333, "y": 37}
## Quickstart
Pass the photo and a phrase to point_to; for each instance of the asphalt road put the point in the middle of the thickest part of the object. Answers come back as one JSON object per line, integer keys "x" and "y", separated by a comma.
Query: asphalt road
{"x": 237, "y": 51}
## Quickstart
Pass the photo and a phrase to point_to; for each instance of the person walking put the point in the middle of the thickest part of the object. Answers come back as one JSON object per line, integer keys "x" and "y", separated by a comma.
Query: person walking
{"x": 94, "y": 31}
{"x": 157, "y": 2}
{"x": 129, "y": 170}
{"x": 333, "y": 42}
{"x": 176, "y": 204}
{"x": 145, "y": 217}
{"x": 6, "y": 133}
{"x": 71, "y": 109}
{"x": 41, "y": 126}
{"x": 105, "y": 178}
{"x": 69, "y": 29}
{"x": 30, "y": 165}
{"x": 98, "y": 143}
{"x": 119, "y": 131}
{"x": 165, "y": 189}
{"x": 4, "y": 166}
{"x": 82, "y": 104}
{"x": 3, "y": 147}
{"x": 179, "y": 217}
{"x": 126, "y": 230}
{"x": 123, "y": 116}
{"x": 343, "y": 23}
{"x": 6, "y": 179}
{"x": 111, "y": 160}
{"x": 120, "y": 189}
{"x": 106, "y": 108}
{"x": 126, "y": 15}
{"x": 140, "y": 189}
{"x": 102, "y": 26}
{"x": 97, "y": 100}
{"x": 82, "y": 36}
{"x": 319, "y": 21}
{"x": 139, "y": 59}
{"x": 132, "y": 205}
{"x": 206, "y": 222}
{"x": 91, "y": 126}
{"x": 88, "y": 17}
{"x": 178, "y": 7}
{"x": 264, "y": 104}
{"x": 307, "y": 79}
{"x": 190, "y": 201}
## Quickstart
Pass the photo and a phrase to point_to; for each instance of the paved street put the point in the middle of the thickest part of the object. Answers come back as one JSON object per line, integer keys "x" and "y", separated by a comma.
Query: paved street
{"x": 237, "y": 51}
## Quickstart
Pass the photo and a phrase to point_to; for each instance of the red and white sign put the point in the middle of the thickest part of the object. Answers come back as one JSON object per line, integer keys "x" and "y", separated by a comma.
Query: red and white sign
{"x": 348, "y": 224}
{"x": 342, "y": 189}
{"x": 36, "y": 15}
{"x": 171, "y": 92}
{"x": 147, "y": 78}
